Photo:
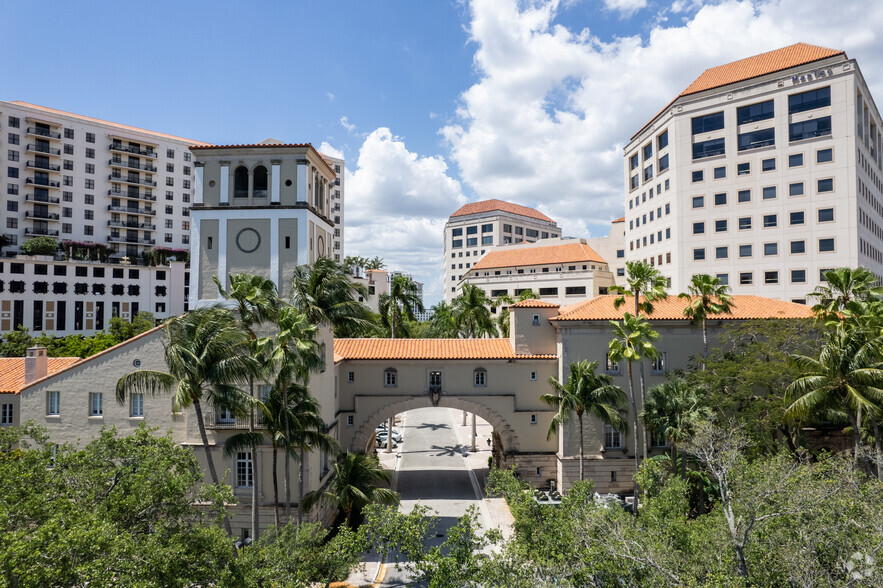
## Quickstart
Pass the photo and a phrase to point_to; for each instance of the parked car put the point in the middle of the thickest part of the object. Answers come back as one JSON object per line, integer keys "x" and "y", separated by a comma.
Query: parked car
{"x": 381, "y": 442}
{"x": 396, "y": 435}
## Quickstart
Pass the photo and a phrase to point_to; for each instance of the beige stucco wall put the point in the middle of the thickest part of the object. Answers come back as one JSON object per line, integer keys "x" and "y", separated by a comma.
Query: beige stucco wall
{"x": 530, "y": 338}
{"x": 208, "y": 258}
{"x": 255, "y": 262}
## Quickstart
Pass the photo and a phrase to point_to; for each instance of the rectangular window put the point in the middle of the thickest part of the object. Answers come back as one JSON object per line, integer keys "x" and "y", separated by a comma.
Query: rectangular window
{"x": 743, "y": 169}
{"x": 798, "y": 247}
{"x": 768, "y": 165}
{"x": 658, "y": 364}
{"x": 770, "y": 277}
{"x": 795, "y": 160}
{"x": 770, "y": 220}
{"x": 720, "y": 199}
{"x": 663, "y": 163}
{"x": 137, "y": 405}
{"x": 826, "y": 245}
{"x": 809, "y": 100}
{"x": 746, "y": 278}
{"x": 633, "y": 161}
{"x": 826, "y": 215}
{"x": 720, "y": 226}
{"x": 720, "y": 173}
{"x": 611, "y": 366}
{"x": 390, "y": 378}
{"x": 744, "y": 196}
{"x": 471, "y": 241}
{"x": 662, "y": 141}
{"x": 480, "y": 378}
{"x": 698, "y": 201}
{"x": 769, "y": 193}
{"x": 770, "y": 248}
{"x": 5, "y": 414}
{"x": 96, "y": 404}
{"x": 612, "y": 438}
{"x": 818, "y": 127}
{"x": 699, "y": 254}
{"x": 648, "y": 151}
{"x": 708, "y": 123}
{"x": 824, "y": 155}
{"x": 698, "y": 228}
{"x": 53, "y": 402}
{"x": 798, "y": 276}
{"x": 825, "y": 185}
{"x": 487, "y": 228}
{"x": 745, "y": 250}
{"x": 244, "y": 474}
{"x": 756, "y": 139}
{"x": 797, "y": 218}
{"x": 795, "y": 189}
{"x": 754, "y": 112}
{"x": 744, "y": 223}
{"x": 721, "y": 252}
{"x": 708, "y": 148}
{"x": 487, "y": 240}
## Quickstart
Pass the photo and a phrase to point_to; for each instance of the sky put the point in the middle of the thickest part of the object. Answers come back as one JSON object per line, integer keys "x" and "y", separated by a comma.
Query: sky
{"x": 433, "y": 103}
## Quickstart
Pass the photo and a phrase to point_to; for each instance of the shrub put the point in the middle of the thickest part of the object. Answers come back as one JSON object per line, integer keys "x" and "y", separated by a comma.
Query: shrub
{"x": 40, "y": 246}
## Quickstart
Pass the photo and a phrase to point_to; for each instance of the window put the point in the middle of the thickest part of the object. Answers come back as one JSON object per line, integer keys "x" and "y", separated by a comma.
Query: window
{"x": 14, "y": 122}
{"x": 795, "y": 160}
{"x": 611, "y": 366}
{"x": 824, "y": 155}
{"x": 769, "y": 193}
{"x": 699, "y": 254}
{"x": 826, "y": 185}
{"x": 818, "y": 127}
{"x": 771, "y": 277}
{"x": 575, "y": 290}
{"x": 390, "y": 378}
{"x": 658, "y": 364}
{"x": 487, "y": 228}
{"x": 743, "y": 169}
{"x": 633, "y": 161}
{"x": 612, "y": 438}
{"x": 826, "y": 215}
{"x": 663, "y": 163}
{"x": 798, "y": 247}
{"x": 244, "y": 473}
{"x": 797, "y": 218}
{"x": 745, "y": 250}
{"x": 487, "y": 240}
{"x": 809, "y": 100}
{"x": 826, "y": 245}
{"x": 350, "y": 420}
{"x": 12, "y": 172}
{"x": 90, "y": 168}
{"x": 798, "y": 276}
{"x": 720, "y": 173}
{"x": 708, "y": 148}
{"x": 720, "y": 226}
{"x": 754, "y": 112}
{"x": 479, "y": 377}
{"x": 533, "y": 421}
{"x": 662, "y": 140}
{"x": 90, "y": 184}
{"x": 744, "y": 196}
{"x": 768, "y": 165}
{"x": 647, "y": 151}
{"x": 698, "y": 228}
{"x": 53, "y": 402}
{"x": 746, "y": 278}
{"x": 795, "y": 189}
{"x": 13, "y": 139}
{"x": 698, "y": 176}
{"x": 89, "y": 214}
{"x": 771, "y": 248}
{"x": 5, "y": 414}
{"x": 721, "y": 252}
{"x": 136, "y": 409}
{"x": 708, "y": 123}
{"x": 698, "y": 201}
{"x": 756, "y": 139}
{"x": 96, "y": 404}
{"x": 744, "y": 223}
{"x": 720, "y": 199}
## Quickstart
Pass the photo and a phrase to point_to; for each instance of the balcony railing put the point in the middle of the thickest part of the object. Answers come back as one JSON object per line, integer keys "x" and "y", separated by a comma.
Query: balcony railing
{"x": 41, "y": 215}
{"x": 130, "y": 225}
{"x": 116, "y": 162}
{"x": 214, "y": 420}
{"x": 132, "y": 195}
{"x": 40, "y": 149}
{"x": 42, "y": 182}
{"x": 46, "y": 166}
{"x": 136, "y": 240}
{"x": 129, "y": 210}
{"x": 41, "y": 198}
{"x": 43, "y": 133}
{"x": 39, "y": 232}
{"x": 131, "y": 180}
{"x": 130, "y": 149}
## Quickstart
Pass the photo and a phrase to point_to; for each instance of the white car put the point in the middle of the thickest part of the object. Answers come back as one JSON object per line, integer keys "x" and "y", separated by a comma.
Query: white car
{"x": 396, "y": 435}
{"x": 381, "y": 442}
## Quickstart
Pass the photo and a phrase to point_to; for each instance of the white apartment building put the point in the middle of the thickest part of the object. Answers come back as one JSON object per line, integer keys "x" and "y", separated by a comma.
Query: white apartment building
{"x": 477, "y": 226}
{"x": 337, "y": 200}
{"x": 764, "y": 172}
{"x": 104, "y": 186}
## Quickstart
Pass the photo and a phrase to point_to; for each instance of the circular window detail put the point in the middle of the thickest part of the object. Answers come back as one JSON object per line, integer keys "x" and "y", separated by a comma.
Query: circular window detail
{"x": 211, "y": 183}
{"x": 288, "y": 182}
{"x": 137, "y": 363}
{"x": 248, "y": 240}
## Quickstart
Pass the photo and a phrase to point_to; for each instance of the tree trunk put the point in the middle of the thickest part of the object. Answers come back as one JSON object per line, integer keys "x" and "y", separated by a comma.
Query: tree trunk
{"x": 674, "y": 460}
{"x": 197, "y": 407}
{"x": 287, "y": 456}
{"x": 635, "y": 431}
{"x": 878, "y": 445}
{"x": 275, "y": 487}
{"x": 743, "y": 565}
{"x": 581, "y": 453}
{"x": 643, "y": 428}
{"x": 856, "y": 436}
{"x": 392, "y": 324}
{"x": 255, "y": 477}
{"x": 300, "y": 487}
{"x": 704, "y": 344}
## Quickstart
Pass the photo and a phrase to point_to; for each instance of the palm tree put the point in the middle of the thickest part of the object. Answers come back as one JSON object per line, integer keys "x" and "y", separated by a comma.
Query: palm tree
{"x": 846, "y": 376}
{"x": 355, "y": 484}
{"x": 441, "y": 324}
{"x": 472, "y": 313}
{"x": 295, "y": 352}
{"x": 502, "y": 303}
{"x": 707, "y": 296}
{"x": 208, "y": 356}
{"x": 256, "y": 301}
{"x": 846, "y": 286}
{"x": 325, "y": 294}
{"x": 633, "y": 341}
{"x": 672, "y": 410}
{"x": 642, "y": 279}
{"x": 399, "y": 304}
{"x": 376, "y": 263}
{"x": 585, "y": 392}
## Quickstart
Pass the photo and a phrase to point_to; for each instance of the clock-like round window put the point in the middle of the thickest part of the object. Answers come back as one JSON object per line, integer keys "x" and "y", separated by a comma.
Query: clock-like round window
{"x": 248, "y": 240}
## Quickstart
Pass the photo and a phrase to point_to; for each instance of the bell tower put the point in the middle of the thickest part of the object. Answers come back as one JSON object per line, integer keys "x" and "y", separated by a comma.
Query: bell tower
{"x": 262, "y": 209}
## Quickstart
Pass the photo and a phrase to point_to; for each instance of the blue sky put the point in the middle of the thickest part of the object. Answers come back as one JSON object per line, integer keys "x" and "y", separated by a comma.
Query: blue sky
{"x": 432, "y": 103}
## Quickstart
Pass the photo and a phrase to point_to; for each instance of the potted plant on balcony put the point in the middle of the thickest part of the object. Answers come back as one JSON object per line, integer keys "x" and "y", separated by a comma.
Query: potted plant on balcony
{"x": 43, "y": 248}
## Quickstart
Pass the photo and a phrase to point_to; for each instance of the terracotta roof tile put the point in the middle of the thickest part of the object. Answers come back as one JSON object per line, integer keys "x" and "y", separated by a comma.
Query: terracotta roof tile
{"x": 104, "y": 122}
{"x": 501, "y": 205}
{"x": 532, "y": 303}
{"x": 619, "y": 220}
{"x": 515, "y": 255}
{"x": 428, "y": 349}
{"x": 744, "y": 307}
{"x": 12, "y": 371}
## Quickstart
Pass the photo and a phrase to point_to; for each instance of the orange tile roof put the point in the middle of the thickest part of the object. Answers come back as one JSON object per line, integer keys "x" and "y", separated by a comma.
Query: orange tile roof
{"x": 619, "y": 220}
{"x": 744, "y": 307}
{"x": 427, "y": 349}
{"x": 12, "y": 371}
{"x": 494, "y": 204}
{"x": 576, "y": 252}
{"x": 104, "y": 122}
{"x": 752, "y": 67}
{"x": 533, "y": 303}
{"x": 266, "y": 146}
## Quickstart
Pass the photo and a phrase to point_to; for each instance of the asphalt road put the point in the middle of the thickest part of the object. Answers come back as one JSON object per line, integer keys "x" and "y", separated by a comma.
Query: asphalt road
{"x": 433, "y": 471}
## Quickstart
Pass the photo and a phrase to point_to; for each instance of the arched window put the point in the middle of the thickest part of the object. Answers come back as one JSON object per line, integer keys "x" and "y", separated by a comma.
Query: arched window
{"x": 320, "y": 246}
{"x": 479, "y": 377}
{"x": 240, "y": 182}
{"x": 260, "y": 182}
{"x": 390, "y": 378}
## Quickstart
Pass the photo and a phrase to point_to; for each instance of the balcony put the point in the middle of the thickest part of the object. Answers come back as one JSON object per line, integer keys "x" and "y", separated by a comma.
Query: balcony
{"x": 116, "y": 162}
{"x": 43, "y": 166}
{"x": 37, "y": 132}
{"x": 38, "y": 215}
{"x": 128, "y": 210}
{"x": 135, "y": 240}
{"x": 131, "y": 225}
{"x": 132, "y": 195}
{"x": 42, "y": 182}
{"x": 131, "y": 180}
{"x": 130, "y": 149}
{"x": 42, "y": 199}
{"x": 32, "y": 148}
{"x": 215, "y": 420}
{"x": 39, "y": 232}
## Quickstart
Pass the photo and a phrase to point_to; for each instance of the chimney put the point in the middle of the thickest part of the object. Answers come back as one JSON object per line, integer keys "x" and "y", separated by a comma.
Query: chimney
{"x": 35, "y": 364}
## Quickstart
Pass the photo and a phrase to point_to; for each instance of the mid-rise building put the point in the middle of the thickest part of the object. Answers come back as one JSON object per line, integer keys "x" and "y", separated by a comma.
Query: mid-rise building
{"x": 477, "y": 226}
{"x": 337, "y": 204}
{"x": 765, "y": 172}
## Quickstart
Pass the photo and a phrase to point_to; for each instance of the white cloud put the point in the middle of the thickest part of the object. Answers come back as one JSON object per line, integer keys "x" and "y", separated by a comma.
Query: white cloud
{"x": 330, "y": 97}
{"x": 396, "y": 205}
{"x": 328, "y": 149}
{"x": 625, "y": 7}
{"x": 347, "y": 125}
{"x": 546, "y": 122}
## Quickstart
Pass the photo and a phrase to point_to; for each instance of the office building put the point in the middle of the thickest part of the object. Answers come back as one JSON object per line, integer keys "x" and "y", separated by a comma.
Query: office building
{"x": 337, "y": 205}
{"x": 764, "y": 172}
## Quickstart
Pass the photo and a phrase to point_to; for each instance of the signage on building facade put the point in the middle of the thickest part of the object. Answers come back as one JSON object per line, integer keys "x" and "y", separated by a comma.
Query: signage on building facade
{"x": 813, "y": 75}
